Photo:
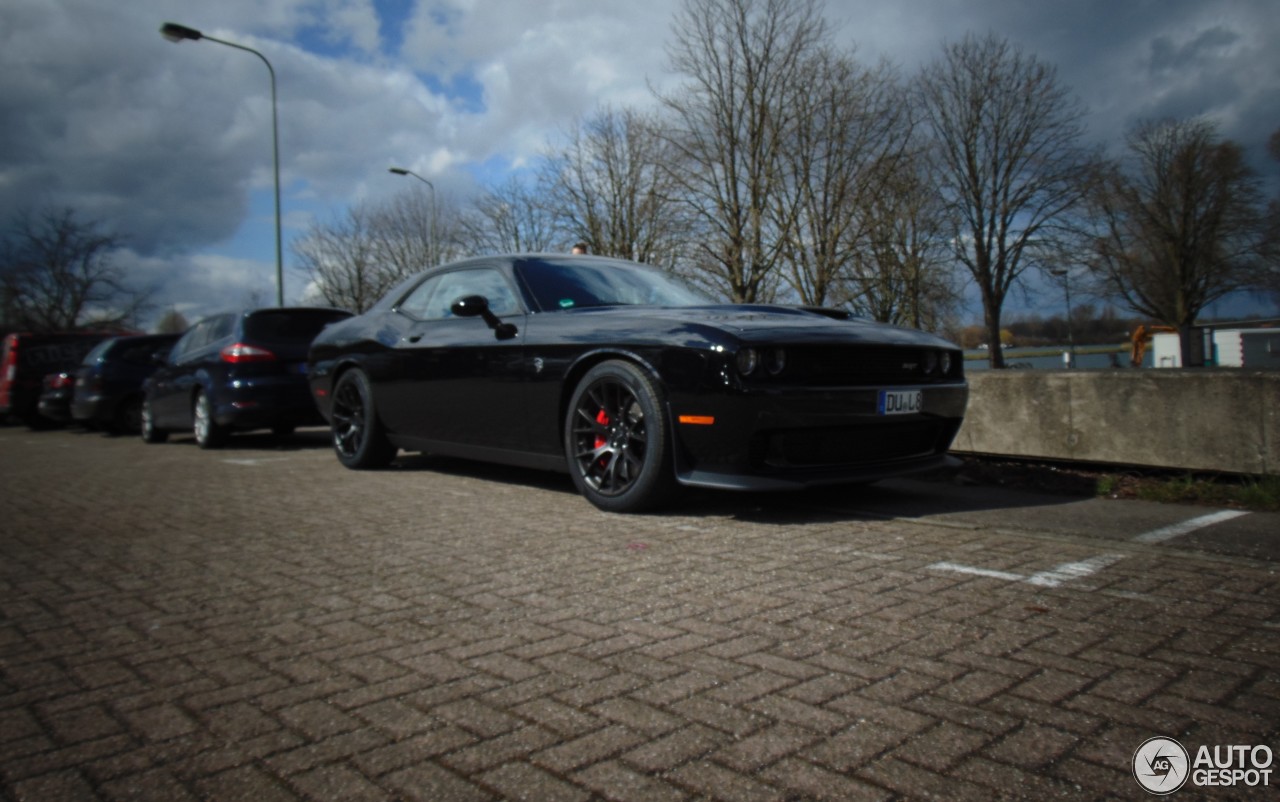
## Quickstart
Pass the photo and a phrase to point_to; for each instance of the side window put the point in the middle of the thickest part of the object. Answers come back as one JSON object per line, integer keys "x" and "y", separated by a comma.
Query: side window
{"x": 202, "y": 335}
{"x": 433, "y": 298}
{"x": 415, "y": 304}
{"x": 139, "y": 353}
{"x": 489, "y": 283}
{"x": 192, "y": 340}
{"x": 223, "y": 326}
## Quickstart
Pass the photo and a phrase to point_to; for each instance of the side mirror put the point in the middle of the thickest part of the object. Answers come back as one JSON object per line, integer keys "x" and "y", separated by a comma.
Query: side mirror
{"x": 478, "y": 306}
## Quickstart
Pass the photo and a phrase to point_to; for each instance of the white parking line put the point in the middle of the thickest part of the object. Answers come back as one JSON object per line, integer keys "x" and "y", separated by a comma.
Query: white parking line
{"x": 1177, "y": 530}
{"x": 254, "y": 460}
{"x": 1052, "y": 578}
{"x": 1069, "y": 571}
{"x": 969, "y": 569}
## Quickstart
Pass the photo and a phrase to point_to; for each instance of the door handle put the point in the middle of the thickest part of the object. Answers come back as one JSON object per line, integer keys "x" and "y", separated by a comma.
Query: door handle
{"x": 413, "y": 338}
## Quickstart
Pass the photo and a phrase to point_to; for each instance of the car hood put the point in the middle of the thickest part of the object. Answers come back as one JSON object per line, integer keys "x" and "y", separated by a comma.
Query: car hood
{"x": 778, "y": 325}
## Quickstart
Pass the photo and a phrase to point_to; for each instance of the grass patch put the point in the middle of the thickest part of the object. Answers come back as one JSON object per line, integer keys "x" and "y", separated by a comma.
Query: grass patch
{"x": 1256, "y": 493}
{"x": 1261, "y": 493}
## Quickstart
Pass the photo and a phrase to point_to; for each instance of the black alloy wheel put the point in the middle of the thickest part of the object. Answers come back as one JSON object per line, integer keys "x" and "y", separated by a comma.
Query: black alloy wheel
{"x": 617, "y": 440}
{"x": 358, "y": 437}
{"x": 150, "y": 433}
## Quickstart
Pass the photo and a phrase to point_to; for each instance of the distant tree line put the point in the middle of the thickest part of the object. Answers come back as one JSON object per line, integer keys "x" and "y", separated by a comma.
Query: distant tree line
{"x": 1088, "y": 325}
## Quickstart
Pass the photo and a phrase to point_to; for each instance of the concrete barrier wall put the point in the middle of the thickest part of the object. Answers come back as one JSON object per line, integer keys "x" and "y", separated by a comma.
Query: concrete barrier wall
{"x": 1201, "y": 419}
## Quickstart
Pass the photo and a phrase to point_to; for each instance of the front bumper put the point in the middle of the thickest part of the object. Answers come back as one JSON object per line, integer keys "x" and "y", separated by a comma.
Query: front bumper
{"x": 787, "y": 438}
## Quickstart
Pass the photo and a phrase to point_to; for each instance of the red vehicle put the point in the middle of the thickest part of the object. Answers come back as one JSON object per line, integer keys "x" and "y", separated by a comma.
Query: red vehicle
{"x": 25, "y": 359}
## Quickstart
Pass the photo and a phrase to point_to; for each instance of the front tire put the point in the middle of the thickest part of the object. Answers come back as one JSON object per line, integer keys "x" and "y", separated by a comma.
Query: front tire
{"x": 617, "y": 439}
{"x": 208, "y": 433}
{"x": 358, "y": 437}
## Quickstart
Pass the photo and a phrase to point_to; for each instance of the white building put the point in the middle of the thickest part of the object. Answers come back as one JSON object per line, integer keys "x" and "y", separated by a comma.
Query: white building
{"x": 1256, "y": 349}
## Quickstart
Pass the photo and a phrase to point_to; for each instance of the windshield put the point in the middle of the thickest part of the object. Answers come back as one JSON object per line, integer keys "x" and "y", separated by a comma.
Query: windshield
{"x": 581, "y": 283}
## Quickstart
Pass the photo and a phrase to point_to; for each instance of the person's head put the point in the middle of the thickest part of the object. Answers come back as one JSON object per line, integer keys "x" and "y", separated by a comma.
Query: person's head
{"x": 580, "y": 247}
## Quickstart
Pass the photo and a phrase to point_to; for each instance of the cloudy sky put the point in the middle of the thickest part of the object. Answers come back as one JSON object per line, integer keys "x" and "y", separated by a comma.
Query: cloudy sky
{"x": 170, "y": 144}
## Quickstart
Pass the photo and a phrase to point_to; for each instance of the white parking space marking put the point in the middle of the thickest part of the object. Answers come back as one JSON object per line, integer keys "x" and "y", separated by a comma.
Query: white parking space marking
{"x": 969, "y": 569}
{"x": 255, "y": 460}
{"x": 1070, "y": 571}
{"x": 1186, "y": 527}
{"x": 1052, "y": 578}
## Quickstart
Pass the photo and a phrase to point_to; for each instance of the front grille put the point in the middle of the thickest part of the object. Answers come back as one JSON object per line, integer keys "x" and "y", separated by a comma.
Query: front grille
{"x": 881, "y": 442}
{"x": 842, "y": 366}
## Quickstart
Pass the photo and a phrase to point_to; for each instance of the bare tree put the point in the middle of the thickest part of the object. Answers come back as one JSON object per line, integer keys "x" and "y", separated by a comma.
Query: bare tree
{"x": 851, "y": 128}
{"x": 357, "y": 258}
{"x": 729, "y": 125}
{"x": 610, "y": 188}
{"x": 343, "y": 260}
{"x": 57, "y": 273}
{"x": 512, "y": 218}
{"x": 1010, "y": 162}
{"x": 415, "y": 231}
{"x": 1271, "y": 279}
{"x": 1181, "y": 222}
{"x": 903, "y": 271}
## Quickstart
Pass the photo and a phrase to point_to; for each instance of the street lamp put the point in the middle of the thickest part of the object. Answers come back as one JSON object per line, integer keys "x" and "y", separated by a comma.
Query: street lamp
{"x": 176, "y": 33}
{"x": 403, "y": 171}
{"x": 1065, "y": 275}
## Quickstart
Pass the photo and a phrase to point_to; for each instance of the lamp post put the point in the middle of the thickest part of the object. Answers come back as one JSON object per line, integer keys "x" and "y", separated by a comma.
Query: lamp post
{"x": 176, "y": 33}
{"x": 432, "y": 233}
{"x": 1065, "y": 275}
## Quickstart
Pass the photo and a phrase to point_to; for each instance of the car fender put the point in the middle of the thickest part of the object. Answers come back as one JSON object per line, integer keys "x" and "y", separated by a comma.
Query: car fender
{"x": 589, "y": 359}
{"x": 378, "y": 367}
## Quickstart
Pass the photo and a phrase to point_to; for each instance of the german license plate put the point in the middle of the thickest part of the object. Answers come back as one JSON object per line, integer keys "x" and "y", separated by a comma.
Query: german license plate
{"x": 900, "y": 402}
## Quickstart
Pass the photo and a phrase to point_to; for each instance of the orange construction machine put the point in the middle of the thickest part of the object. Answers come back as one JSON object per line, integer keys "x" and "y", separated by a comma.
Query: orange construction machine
{"x": 1141, "y": 339}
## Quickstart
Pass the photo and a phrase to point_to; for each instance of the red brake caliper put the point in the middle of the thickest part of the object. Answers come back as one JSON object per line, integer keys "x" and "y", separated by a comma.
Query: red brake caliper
{"x": 602, "y": 418}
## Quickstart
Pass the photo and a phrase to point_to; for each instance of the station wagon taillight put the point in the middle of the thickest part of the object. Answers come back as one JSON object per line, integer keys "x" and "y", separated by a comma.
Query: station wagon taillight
{"x": 9, "y": 370}
{"x": 240, "y": 352}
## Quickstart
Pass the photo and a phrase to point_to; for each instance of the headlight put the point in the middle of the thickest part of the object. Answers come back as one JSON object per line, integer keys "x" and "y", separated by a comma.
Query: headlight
{"x": 775, "y": 361}
{"x": 930, "y": 363}
{"x": 944, "y": 362}
{"x": 748, "y": 360}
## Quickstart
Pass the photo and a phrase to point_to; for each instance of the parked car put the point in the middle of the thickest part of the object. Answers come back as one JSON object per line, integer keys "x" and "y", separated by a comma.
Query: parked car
{"x": 54, "y": 404}
{"x": 25, "y": 359}
{"x": 106, "y": 390}
{"x": 236, "y": 371}
{"x": 632, "y": 383}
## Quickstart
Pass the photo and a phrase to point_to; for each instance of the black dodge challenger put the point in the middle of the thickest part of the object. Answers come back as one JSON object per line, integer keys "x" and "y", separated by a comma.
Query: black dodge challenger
{"x": 631, "y": 382}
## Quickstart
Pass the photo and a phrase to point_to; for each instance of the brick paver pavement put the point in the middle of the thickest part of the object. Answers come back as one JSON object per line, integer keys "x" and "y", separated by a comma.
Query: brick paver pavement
{"x": 261, "y": 624}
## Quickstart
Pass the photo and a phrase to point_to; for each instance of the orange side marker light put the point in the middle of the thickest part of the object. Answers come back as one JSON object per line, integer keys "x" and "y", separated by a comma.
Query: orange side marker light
{"x": 698, "y": 420}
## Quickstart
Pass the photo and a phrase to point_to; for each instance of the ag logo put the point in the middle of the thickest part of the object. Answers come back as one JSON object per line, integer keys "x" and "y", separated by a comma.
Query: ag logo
{"x": 1161, "y": 765}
